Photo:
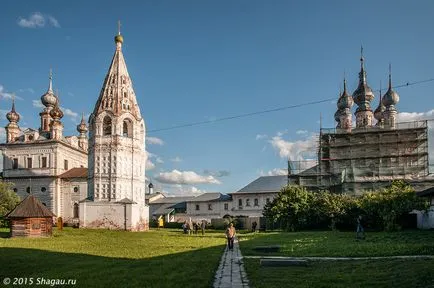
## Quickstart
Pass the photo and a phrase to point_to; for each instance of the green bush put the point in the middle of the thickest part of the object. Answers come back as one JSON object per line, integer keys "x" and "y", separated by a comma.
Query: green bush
{"x": 295, "y": 208}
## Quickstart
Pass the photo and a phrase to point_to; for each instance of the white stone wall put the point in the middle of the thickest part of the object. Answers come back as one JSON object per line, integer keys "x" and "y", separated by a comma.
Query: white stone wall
{"x": 73, "y": 191}
{"x": 109, "y": 215}
{"x": 250, "y": 210}
{"x": 43, "y": 181}
{"x": 116, "y": 162}
{"x": 217, "y": 209}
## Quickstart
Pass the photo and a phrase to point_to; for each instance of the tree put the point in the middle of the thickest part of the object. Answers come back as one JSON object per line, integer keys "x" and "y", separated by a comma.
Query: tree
{"x": 290, "y": 207}
{"x": 385, "y": 207}
{"x": 8, "y": 198}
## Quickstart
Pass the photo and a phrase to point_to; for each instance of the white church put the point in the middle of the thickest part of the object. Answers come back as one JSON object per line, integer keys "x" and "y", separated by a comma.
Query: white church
{"x": 97, "y": 182}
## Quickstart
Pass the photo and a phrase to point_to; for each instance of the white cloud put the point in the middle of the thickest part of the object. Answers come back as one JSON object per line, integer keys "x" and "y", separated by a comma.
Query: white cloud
{"x": 414, "y": 116}
{"x": 261, "y": 136}
{"x": 297, "y": 150}
{"x": 149, "y": 165}
{"x": 182, "y": 190}
{"x": 38, "y": 20}
{"x": 274, "y": 172}
{"x": 154, "y": 140}
{"x": 176, "y": 159}
{"x": 30, "y": 90}
{"x": 37, "y": 104}
{"x": 53, "y": 21}
{"x": 159, "y": 160}
{"x": 69, "y": 112}
{"x": 218, "y": 174}
{"x": 7, "y": 95}
{"x": 185, "y": 177}
{"x": 281, "y": 133}
{"x": 301, "y": 132}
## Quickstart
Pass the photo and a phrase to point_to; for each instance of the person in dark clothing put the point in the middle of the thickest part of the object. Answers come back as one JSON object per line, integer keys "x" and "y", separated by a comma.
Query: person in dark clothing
{"x": 360, "y": 232}
{"x": 254, "y": 224}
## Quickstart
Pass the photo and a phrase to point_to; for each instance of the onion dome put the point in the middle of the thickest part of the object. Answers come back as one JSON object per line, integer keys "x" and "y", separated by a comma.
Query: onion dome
{"x": 363, "y": 95}
{"x": 12, "y": 115}
{"x": 49, "y": 99}
{"x": 56, "y": 113}
{"x": 345, "y": 100}
{"x": 391, "y": 97}
{"x": 82, "y": 128}
{"x": 378, "y": 113}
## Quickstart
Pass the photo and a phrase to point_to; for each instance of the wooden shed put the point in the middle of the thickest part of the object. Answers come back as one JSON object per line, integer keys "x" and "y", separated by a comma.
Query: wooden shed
{"x": 30, "y": 219}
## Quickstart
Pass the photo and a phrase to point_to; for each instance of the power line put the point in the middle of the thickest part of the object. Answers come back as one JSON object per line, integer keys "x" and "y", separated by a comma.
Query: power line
{"x": 272, "y": 110}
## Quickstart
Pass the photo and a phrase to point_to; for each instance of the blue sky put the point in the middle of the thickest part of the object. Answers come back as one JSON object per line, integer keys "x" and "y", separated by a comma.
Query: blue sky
{"x": 202, "y": 60}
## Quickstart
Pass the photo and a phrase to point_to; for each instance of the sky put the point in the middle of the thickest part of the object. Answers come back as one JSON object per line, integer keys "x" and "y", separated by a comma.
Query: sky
{"x": 194, "y": 61}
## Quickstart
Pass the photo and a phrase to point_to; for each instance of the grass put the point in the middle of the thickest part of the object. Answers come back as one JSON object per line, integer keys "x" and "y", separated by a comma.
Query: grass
{"x": 103, "y": 258}
{"x": 341, "y": 244}
{"x": 379, "y": 273}
{"x": 364, "y": 273}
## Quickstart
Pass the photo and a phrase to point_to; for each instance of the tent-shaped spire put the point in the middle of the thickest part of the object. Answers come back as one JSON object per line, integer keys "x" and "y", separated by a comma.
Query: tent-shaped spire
{"x": 117, "y": 95}
{"x": 30, "y": 207}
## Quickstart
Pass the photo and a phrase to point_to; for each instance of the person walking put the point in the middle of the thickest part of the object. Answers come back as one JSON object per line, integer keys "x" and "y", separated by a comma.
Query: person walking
{"x": 203, "y": 226}
{"x": 230, "y": 234}
{"x": 360, "y": 232}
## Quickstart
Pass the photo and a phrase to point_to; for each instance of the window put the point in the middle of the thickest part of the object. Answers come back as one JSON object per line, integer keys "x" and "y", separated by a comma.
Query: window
{"x": 43, "y": 189}
{"x": 127, "y": 128}
{"x": 15, "y": 190}
{"x": 43, "y": 203}
{"x": 267, "y": 200}
{"x": 15, "y": 163}
{"x": 247, "y": 202}
{"x": 240, "y": 202}
{"x": 28, "y": 190}
{"x": 197, "y": 207}
{"x": 226, "y": 206}
{"x": 65, "y": 164}
{"x": 76, "y": 189}
{"x": 29, "y": 163}
{"x": 75, "y": 210}
{"x": 256, "y": 202}
{"x": 209, "y": 206}
{"x": 36, "y": 224}
{"x": 107, "y": 126}
{"x": 44, "y": 162}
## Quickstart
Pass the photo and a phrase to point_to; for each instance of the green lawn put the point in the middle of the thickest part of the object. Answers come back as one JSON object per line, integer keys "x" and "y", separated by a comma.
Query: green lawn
{"x": 340, "y": 244}
{"x": 103, "y": 258}
{"x": 365, "y": 273}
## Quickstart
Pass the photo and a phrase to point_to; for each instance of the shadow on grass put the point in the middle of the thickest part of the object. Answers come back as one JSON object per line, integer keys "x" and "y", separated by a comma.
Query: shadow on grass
{"x": 186, "y": 269}
{"x": 4, "y": 234}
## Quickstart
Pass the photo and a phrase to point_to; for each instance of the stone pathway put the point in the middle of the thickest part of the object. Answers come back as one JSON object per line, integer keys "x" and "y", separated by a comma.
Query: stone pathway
{"x": 231, "y": 271}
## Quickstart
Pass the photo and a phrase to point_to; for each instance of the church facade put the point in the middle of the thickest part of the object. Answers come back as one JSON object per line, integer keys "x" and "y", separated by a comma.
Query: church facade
{"x": 117, "y": 157}
{"x": 35, "y": 160}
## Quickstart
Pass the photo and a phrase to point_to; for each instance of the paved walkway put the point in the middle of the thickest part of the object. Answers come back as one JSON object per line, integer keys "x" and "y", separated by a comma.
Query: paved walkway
{"x": 231, "y": 271}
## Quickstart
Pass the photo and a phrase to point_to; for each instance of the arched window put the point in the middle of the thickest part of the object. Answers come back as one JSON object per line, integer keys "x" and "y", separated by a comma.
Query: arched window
{"x": 127, "y": 128}
{"x": 28, "y": 190}
{"x": 75, "y": 210}
{"x": 107, "y": 126}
